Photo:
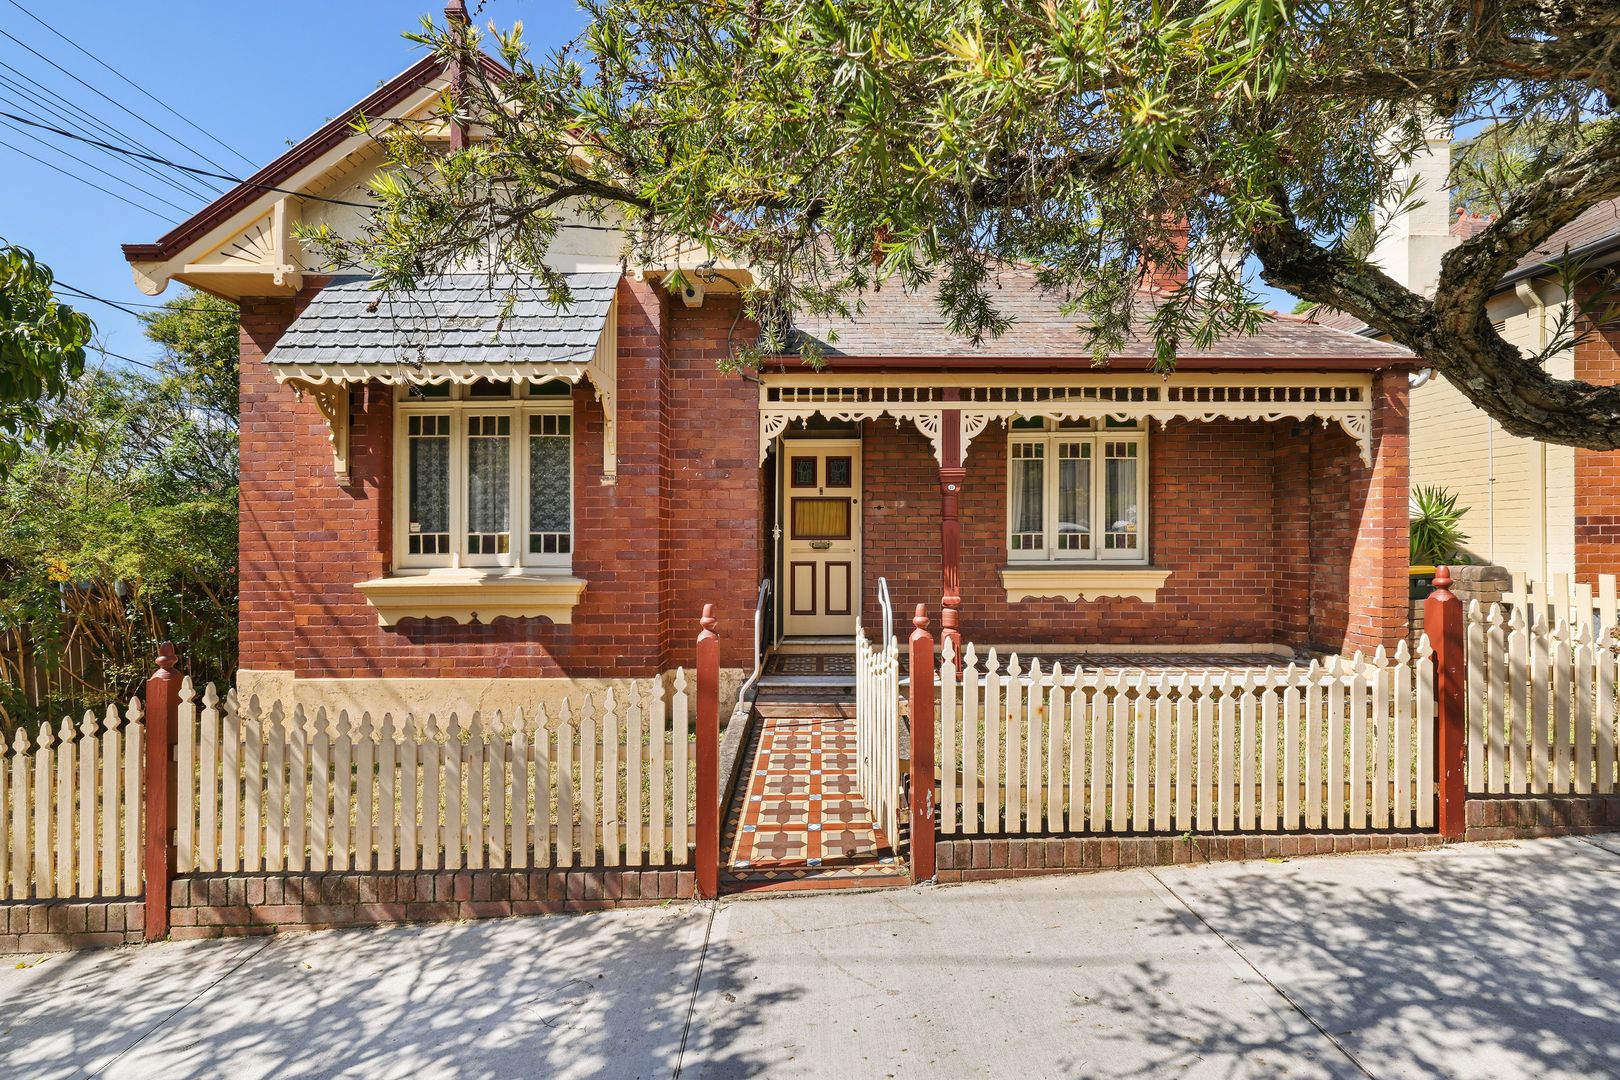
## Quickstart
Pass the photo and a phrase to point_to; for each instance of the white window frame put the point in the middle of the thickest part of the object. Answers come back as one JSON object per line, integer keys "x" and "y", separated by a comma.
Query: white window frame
{"x": 459, "y": 406}
{"x": 1097, "y": 435}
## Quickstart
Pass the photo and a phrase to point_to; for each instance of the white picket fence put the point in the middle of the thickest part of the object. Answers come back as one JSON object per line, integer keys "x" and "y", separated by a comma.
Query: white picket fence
{"x": 1560, "y": 600}
{"x": 70, "y": 808}
{"x": 1344, "y": 744}
{"x": 608, "y": 785}
{"x": 877, "y": 731}
{"x": 1541, "y": 701}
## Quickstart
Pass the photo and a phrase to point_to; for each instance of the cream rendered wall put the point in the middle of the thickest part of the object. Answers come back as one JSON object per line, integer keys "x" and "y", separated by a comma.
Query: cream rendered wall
{"x": 1520, "y": 493}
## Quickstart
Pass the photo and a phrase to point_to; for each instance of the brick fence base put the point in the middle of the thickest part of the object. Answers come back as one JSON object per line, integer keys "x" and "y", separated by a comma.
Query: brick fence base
{"x": 36, "y": 926}
{"x": 984, "y": 858}
{"x": 228, "y": 905}
{"x": 1512, "y": 817}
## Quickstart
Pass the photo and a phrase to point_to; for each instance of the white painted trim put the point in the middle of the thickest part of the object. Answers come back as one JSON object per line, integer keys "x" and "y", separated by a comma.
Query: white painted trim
{"x": 1096, "y": 439}
{"x": 1344, "y": 398}
{"x": 1074, "y": 583}
{"x": 520, "y": 410}
{"x": 473, "y": 595}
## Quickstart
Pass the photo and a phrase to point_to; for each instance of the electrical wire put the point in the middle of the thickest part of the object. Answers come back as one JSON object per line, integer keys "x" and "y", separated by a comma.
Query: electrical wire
{"x": 124, "y": 304}
{"x": 97, "y": 168}
{"x": 111, "y": 101}
{"x": 125, "y": 359}
{"x": 77, "y": 293}
{"x": 148, "y": 94}
{"x": 88, "y": 183}
{"x": 235, "y": 180}
{"x": 34, "y": 101}
{"x": 183, "y": 168}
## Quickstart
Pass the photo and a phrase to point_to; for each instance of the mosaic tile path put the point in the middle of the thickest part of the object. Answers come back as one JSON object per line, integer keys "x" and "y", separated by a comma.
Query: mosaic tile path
{"x": 798, "y": 821}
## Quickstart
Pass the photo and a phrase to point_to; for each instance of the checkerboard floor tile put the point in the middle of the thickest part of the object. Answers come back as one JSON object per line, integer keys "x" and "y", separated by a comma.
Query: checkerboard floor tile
{"x": 798, "y": 821}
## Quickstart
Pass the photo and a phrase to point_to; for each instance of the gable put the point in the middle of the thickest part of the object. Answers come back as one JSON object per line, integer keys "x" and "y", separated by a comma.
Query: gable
{"x": 242, "y": 244}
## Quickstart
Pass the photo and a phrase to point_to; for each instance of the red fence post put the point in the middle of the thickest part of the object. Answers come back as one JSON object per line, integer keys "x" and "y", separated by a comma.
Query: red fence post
{"x": 708, "y": 757}
{"x": 1443, "y": 622}
{"x": 922, "y": 747}
{"x": 162, "y": 728}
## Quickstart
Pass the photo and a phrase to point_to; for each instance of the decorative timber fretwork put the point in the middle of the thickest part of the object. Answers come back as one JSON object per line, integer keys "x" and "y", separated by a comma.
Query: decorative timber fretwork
{"x": 1344, "y": 398}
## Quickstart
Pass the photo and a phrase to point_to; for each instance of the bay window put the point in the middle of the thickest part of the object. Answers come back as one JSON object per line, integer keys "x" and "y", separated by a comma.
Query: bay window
{"x": 485, "y": 476}
{"x": 1076, "y": 491}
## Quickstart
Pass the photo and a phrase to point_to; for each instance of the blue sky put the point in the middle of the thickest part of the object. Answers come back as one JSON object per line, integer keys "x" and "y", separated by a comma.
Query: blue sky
{"x": 257, "y": 76}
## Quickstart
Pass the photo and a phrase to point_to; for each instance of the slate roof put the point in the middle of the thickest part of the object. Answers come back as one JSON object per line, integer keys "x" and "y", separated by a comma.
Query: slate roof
{"x": 895, "y": 323}
{"x": 1592, "y": 229}
{"x": 455, "y": 319}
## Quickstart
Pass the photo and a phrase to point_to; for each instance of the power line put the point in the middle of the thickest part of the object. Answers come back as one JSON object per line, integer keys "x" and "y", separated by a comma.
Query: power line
{"x": 125, "y": 304}
{"x": 183, "y": 168}
{"x": 161, "y": 103}
{"x": 111, "y": 101}
{"x": 192, "y": 188}
{"x": 233, "y": 179}
{"x": 82, "y": 180}
{"x": 97, "y": 168}
{"x": 125, "y": 359}
{"x": 78, "y": 293}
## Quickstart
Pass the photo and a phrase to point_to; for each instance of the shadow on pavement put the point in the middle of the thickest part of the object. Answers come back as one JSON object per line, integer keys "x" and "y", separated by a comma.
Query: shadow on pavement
{"x": 1488, "y": 961}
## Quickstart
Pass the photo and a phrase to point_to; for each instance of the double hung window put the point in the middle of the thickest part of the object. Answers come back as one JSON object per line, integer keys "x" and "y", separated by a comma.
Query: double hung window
{"x": 484, "y": 475}
{"x": 1076, "y": 491}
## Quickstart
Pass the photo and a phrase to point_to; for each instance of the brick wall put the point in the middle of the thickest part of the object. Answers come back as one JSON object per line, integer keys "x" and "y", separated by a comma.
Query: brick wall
{"x": 680, "y": 528}
{"x": 989, "y": 858}
{"x": 716, "y": 531}
{"x": 64, "y": 925}
{"x": 1379, "y": 582}
{"x": 1259, "y": 524}
{"x": 230, "y": 905}
{"x": 1597, "y": 473}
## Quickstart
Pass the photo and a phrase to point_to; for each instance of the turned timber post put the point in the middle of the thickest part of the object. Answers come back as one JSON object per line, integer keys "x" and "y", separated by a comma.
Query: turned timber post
{"x": 951, "y": 476}
{"x": 922, "y": 747}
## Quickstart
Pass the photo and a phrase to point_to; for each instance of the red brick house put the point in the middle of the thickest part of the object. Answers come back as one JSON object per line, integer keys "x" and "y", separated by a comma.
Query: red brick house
{"x": 439, "y": 504}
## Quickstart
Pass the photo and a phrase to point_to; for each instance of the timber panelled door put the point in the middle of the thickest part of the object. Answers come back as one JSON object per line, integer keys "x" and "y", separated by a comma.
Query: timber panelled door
{"x": 821, "y": 535}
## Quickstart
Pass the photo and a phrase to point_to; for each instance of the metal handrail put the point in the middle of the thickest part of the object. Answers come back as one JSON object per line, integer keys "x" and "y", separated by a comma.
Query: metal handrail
{"x": 888, "y": 611}
{"x": 760, "y": 613}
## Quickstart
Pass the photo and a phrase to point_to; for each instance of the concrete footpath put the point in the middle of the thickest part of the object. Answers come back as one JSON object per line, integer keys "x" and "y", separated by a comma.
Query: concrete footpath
{"x": 1490, "y": 960}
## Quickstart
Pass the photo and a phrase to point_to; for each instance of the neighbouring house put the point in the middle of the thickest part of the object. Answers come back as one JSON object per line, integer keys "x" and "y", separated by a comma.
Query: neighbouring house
{"x": 441, "y": 506}
{"x": 1533, "y": 507}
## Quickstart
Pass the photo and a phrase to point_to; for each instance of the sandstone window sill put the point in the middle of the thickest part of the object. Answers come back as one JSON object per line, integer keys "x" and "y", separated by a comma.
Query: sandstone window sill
{"x": 1087, "y": 582}
{"x": 469, "y": 596}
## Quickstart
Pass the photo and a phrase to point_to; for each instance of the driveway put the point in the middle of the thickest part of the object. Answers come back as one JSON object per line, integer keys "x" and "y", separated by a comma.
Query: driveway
{"x": 1496, "y": 960}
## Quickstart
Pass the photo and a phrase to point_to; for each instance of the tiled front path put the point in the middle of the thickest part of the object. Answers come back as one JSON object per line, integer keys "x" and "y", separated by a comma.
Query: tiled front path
{"x": 798, "y": 821}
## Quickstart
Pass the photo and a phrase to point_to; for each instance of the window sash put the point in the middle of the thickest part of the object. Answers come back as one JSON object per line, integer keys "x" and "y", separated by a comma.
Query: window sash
{"x": 490, "y": 524}
{"x": 1076, "y": 495}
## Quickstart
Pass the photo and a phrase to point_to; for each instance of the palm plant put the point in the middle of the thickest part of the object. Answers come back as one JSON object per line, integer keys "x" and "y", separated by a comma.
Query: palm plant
{"x": 1435, "y": 526}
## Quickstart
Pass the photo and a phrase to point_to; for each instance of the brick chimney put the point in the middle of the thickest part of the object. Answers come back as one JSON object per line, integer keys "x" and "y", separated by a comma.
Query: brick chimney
{"x": 1165, "y": 279}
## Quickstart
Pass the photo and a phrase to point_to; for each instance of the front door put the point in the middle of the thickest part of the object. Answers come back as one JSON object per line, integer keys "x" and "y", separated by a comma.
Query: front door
{"x": 821, "y": 537}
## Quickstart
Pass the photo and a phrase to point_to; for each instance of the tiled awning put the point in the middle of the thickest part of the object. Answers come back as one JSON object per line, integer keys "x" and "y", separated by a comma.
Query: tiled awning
{"x": 459, "y": 328}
